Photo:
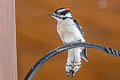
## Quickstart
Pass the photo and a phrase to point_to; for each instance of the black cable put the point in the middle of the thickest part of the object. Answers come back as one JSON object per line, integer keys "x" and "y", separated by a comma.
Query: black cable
{"x": 55, "y": 51}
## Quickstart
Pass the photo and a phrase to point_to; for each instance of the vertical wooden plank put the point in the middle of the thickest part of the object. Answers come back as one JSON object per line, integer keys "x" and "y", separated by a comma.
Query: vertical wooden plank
{"x": 8, "y": 56}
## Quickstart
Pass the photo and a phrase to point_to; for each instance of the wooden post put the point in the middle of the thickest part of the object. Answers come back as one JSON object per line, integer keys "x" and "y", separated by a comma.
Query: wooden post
{"x": 8, "y": 56}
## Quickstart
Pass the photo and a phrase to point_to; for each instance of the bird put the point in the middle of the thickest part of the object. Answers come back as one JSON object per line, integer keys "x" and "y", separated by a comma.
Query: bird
{"x": 70, "y": 31}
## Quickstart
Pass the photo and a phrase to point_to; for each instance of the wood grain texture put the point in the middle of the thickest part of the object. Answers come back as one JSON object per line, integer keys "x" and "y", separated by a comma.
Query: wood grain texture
{"x": 8, "y": 56}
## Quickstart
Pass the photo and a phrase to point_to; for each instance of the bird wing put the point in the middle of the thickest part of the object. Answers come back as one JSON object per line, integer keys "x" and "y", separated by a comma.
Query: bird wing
{"x": 79, "y": 27}
{"x": 84, "y": 52}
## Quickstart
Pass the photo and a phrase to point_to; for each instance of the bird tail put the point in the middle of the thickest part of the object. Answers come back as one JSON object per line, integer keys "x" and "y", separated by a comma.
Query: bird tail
{"x": 73, "y": 61}
{"x": 84, "y": 54}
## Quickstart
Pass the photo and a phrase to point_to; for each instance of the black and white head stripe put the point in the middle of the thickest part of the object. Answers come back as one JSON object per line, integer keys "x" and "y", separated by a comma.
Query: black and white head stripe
{"x": 62, "y": 11}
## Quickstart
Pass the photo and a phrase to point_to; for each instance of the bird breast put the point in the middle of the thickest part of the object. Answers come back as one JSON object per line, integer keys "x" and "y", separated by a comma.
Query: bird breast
{"x": 68, "y": 31}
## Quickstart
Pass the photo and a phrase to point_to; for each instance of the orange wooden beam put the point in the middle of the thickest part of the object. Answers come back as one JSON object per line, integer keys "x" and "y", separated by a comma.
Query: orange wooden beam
{"x": 8, "y": 56}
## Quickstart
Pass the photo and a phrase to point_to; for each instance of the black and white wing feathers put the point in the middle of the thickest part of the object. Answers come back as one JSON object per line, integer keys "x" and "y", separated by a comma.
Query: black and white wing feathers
{"x": 84, "y": 52}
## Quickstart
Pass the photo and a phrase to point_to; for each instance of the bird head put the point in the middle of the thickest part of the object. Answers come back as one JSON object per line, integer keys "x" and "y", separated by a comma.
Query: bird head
{"x": 61, "y": 13}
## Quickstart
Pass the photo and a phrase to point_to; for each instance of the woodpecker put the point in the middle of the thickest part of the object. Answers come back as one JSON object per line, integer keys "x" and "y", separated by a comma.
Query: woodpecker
{"x": 70, "y": 31}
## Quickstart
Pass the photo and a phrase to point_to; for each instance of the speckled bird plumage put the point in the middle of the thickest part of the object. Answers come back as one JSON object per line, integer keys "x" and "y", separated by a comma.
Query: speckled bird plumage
{"x": 70, "y": 31}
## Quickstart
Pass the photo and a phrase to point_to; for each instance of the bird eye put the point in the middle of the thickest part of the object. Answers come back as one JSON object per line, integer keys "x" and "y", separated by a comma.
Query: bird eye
{"x": 58, "y": 13}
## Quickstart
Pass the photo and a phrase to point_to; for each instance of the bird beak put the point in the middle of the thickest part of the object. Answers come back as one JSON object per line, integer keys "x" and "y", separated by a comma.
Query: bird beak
{"x": 51, "y": 14}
